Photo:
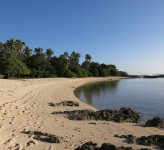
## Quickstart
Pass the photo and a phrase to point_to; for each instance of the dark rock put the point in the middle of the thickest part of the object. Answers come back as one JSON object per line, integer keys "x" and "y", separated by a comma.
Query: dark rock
{"x": 108, "y": 146}
{"x": 125, "y": 148}
{"x": 88, "y": 146}
{"x": 105, "y": 146}
{"x": 44, "y": 137}
{"x": 130, "y": 138}
{"x": 122, "y": 115}
{"x": 92, "y": 123}
{"x": 70, "y": 103}
{"x": 155, "y": 122}
{"x": 161, "y": 146}
{"x": 64, "y": 103}
{"x": 144, "y": 140}
{"x": 151, "y": 140}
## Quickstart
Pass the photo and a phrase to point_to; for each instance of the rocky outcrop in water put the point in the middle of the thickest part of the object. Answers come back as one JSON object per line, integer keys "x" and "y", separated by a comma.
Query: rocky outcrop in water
{"x": 44, "y": 137}
{"x": 105, "y": 146}
{"x": 122, "y": 115}
{"x": 64, "y": 103}
{"x": 144, "y": 140}
{"x": 155, "y": 122}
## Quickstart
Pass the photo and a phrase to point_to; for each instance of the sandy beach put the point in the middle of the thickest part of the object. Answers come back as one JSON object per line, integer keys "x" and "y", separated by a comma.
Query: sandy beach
{"x": 24, "y": 105}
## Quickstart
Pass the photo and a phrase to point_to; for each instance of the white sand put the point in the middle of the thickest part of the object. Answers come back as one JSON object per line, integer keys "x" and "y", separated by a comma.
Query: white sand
{"x": 24, "y": 105}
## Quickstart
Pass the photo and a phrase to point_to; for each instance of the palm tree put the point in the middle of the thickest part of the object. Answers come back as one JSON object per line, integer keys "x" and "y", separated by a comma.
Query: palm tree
{"x": 19, "y": 45}
{"x": 14, "y": 46}
{"x": 65, "y": 55}
{"x": 1, "y": 47}
{"x": 74, "y": 58}
{"x": 9, "y": 46}
{"x": 38, "y": 51}
{"x": 27, "y": 53}
{"x": 87, "y": 61}
{"x": 88, "y": 57}
{"x": 49, "y": 53}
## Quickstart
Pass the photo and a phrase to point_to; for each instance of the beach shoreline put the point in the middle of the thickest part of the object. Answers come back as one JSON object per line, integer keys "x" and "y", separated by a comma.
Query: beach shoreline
{"x": 25, "y": 106}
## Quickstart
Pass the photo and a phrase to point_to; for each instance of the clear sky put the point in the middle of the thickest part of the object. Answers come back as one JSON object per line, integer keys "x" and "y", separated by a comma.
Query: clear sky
{"x": 127, "y": 33}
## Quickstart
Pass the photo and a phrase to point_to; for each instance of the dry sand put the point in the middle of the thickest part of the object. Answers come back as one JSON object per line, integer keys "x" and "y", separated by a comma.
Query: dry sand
{"x": 24, "y": 106}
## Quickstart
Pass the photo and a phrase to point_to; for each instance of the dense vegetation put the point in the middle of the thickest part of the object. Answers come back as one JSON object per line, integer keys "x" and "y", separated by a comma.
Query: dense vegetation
{"x": 18, "y": 60}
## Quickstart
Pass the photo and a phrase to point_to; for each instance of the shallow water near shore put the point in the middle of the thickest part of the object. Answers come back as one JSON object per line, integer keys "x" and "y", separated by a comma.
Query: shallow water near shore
{"x": 143, "y": 95}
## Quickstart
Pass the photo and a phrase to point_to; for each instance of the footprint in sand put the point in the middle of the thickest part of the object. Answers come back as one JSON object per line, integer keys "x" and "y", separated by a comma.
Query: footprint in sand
{"x": 29, "y": 143}
{"x": 5, "y": 113}
{"x": 8, "y": 141}
{"x": 17, "y": 146}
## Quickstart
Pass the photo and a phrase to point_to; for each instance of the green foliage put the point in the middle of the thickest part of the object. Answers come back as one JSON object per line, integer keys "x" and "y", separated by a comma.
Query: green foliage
{"x": 88, "y": 57}
{"x": 49, "y": 54}
{"x": 69, "y": 74}
{"x": 17, "y": 59}
{"x": 11, "y": 66}
{"x": 94, "y": 69}
{"x": 1, "y": 46}
{"x": 123, "y": 74}
{"x": 26, "y": 53}
{"x": 74, "y": 61}
{"x": 21, "y": 68}
{"x": 60, "y": 65}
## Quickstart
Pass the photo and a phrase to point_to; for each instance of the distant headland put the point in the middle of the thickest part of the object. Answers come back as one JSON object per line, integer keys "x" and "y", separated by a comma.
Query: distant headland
{"x": 147, "y": 76}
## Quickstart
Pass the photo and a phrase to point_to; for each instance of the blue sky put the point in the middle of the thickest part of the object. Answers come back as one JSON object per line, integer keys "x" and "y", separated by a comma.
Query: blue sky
{"x": 127, "y": 33}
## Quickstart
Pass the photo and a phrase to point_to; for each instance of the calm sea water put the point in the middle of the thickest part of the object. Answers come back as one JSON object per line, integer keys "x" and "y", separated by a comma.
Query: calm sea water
{"x": 143, "y": 95}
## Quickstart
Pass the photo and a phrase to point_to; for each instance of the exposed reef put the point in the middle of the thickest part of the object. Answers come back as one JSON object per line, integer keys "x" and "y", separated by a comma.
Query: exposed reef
{"x": 122, "y": 115}
{"x": 155, "y": 122}
{"x": 105, "y": 146}
{"x": 44, "y": 137}
{"x": 64, "y": 103}
{"x": 144, "y": 140}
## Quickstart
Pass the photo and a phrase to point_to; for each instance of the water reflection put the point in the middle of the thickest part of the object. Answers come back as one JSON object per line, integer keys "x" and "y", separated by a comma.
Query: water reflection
{"x": 142, "y": 95}
{"x": 89, "y": 91}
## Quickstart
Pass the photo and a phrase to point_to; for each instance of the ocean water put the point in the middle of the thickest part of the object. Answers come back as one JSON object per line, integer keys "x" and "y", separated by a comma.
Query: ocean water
{"x": 143, "y": 95}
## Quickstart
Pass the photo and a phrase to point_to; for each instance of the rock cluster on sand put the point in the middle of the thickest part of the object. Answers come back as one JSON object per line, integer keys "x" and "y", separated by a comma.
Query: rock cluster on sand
{"x": 155, "y": 122}
{"x": 122, "y": 115}
{"x": 144, "y": 140}
{"x": 105, "y": 146}
{"x": 44, "y": 137}
{"x": 64, "y": 103}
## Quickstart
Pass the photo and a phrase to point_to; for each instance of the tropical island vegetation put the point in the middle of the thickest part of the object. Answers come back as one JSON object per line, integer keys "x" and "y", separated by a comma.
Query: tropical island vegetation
{"x": 18, "y": 60}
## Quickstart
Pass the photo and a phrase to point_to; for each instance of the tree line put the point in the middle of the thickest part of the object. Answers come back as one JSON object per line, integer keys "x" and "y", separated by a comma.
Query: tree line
{"x": 18, "y": 60}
